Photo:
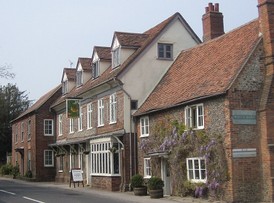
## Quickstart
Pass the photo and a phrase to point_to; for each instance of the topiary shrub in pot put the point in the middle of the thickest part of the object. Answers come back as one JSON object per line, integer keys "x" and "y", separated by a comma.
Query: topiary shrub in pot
{"x": 137, "y": 183}
{"x": 155, "y": 186}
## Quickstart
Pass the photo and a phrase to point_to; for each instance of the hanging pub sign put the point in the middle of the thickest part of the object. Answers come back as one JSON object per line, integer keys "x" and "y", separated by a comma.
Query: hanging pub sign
{"x": 72, "y": 108}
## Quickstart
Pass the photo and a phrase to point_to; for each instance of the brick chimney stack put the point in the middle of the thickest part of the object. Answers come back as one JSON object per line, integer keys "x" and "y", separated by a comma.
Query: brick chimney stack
{"x": 213, "y": 25}
{"x": 266, "y": 18}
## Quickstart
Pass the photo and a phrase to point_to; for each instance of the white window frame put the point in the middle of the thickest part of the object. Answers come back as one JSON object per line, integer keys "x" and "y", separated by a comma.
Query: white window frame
{"x": 102, "y": 158}
{"x": 191, "y": 169}
{"x": 48, "y": 158}
{"x": 100, "y": 112}
{"x": 147, "y": 167}
{"x": 79, "y": 78}
{"x": 71, "y": 125}
{"x": 89, "y": 116}
{"x": 116, "y": 52}
{"x": 16, "y": 133}
{"x": 163, "y": 54}
{"x": 29, "y": 160}
{"x": 65, "y": 87}
{"x": 22, "y": 132}
{"x": 80, "y": 157}
{"x": 47, "y": 127}
{"x": 198, "y": 118}
{"x": 60, "y": 124}
{"x": 95, "y": 69}
{"x": 61, "y": 164}
{"x": 80, "y": 119}
{"x": 29, "y": 129}
{"x": 72, "y": 159}
{"x": 113, "y": 108}
{"x": 144, "y": 126}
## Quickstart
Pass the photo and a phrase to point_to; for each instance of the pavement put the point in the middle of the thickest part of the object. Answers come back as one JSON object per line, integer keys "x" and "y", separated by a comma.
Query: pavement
{"x": 117, "y": 195}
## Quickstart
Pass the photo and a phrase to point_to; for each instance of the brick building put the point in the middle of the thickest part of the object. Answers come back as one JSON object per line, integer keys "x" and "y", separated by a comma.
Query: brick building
{"x": 223, "y": 86}
{"x": 32, "y": 132}
{"x": 109, "y": 87}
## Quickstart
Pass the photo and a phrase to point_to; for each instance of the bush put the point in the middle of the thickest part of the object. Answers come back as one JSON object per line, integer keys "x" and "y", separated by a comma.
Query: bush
{"x": 28, "y": 174}
{"x": 194, "y": 189}
{"x": 6, "y": 169}
{"x": 137, "y": 181}
{"x": 155, "y": 183}
{"x": 15, "y": 171}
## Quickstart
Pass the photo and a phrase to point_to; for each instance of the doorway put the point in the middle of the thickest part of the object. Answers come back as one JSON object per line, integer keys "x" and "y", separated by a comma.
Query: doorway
{"x": 165, "y": 175}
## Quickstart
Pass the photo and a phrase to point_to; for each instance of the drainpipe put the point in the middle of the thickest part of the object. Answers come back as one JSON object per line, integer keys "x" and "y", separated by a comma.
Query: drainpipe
{"x": 130, "y": 127}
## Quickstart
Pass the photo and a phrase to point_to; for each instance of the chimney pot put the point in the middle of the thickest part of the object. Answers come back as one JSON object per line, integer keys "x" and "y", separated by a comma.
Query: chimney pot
{"x": 216, "y": 7}
{"x": 211, "y": 7}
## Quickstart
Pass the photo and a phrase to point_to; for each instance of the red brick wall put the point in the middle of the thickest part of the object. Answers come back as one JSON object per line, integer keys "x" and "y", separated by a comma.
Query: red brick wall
{"x": 38, "y": 142}
{"x": 102, "y": 181}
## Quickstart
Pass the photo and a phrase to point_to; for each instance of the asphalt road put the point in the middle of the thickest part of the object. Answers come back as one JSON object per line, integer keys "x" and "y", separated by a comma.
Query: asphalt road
{"x": 20, "y": 192}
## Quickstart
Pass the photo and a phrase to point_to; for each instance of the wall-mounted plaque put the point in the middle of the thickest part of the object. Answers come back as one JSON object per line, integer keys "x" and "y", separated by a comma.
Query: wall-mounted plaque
{"x": 244, "y": 117}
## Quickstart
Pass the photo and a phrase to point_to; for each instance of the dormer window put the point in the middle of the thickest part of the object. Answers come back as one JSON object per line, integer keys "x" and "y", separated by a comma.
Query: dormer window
{"x": 165, "y": 51}
{"x": 79, "y": 78}
{"x": 95, "y": 69}
{"x": 65, "y": 87}
{"x": 116, "y": 57}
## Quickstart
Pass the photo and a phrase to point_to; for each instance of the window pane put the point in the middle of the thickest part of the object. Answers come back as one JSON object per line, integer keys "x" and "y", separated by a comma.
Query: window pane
{"x": 203, "y": 174}
{"x": 197, "y": 174}
{"x": 116, "y": 163}
{"x": 196, "y": 164}
{"x": 202, "y": 164}
{"x": 190, "y": 164}
{"x": 191, "y": 174}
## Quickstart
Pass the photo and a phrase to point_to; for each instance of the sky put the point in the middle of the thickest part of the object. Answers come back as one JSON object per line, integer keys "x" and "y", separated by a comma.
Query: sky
{"x": 39, "y": 38}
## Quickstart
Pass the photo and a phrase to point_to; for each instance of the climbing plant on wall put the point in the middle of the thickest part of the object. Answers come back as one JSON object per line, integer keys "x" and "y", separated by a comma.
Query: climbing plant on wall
{"x": 172, "y": 138}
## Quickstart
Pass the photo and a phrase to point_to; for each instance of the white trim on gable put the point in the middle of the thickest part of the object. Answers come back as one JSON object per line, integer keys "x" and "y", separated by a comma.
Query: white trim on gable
{"x": 65, "y": 78}
{"x": 115, "y": 44}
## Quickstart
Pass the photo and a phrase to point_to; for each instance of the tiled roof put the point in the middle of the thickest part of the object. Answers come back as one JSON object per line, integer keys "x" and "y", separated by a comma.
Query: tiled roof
{"x": 131, "y": 39}
{"x": 103, "y": 52}
{"x": 70, "y": 72}
{"x": 205, "y": 70}
{"x": 85, "y": 63}
{"x": 42, "y": 100}
{"x": 110, "y": 73}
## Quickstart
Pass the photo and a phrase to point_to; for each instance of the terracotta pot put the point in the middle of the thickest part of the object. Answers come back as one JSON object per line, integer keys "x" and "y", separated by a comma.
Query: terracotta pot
{"x": 159, "y": 193}
{"x": 140, "y": 191}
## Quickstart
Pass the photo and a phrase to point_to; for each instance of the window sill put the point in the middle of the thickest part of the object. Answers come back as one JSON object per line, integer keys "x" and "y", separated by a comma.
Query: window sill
{"x": 146, "y": 135}
{"x": 100, "y": 126}
{"x": 114, "y": 122}
{"x": 165, "y": 59}
{"x": 60, "y": 171}
{"x": 197, "y": 181}
{"x": 105, "y": 175}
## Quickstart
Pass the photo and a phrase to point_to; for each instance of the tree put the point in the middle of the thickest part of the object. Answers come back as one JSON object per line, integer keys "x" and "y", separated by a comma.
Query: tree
{"x": 12, "y": 103}
{"x": 5, "y": 73}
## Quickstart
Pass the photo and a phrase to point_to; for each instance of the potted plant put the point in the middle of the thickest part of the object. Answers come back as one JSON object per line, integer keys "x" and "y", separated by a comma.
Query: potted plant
{"x": 137, "y": 183}
{"x": 155, "y": 187}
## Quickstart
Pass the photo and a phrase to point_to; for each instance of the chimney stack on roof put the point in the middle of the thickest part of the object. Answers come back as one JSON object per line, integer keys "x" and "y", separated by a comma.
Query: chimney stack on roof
{"x": 213, "y": 25}
{"x": 266, "y": 18}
